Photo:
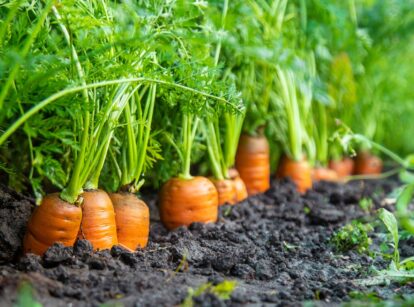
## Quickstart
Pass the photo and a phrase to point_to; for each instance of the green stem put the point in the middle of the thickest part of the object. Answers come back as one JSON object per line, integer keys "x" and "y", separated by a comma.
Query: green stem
{"x": 147, "y": 128}
{"x": 213, "y": 150}
{"x": 74, "y": 187}
{"x": 229, "y": 137}
{"x": 353, "y": 12}
{"x": 93, "y": 182}
{"x": 190, "y": 125}
{"x": 186, "y": 133}
{"x": 322, "y": 150}
{"x": 103, "y": 135}
{"x": 375, "y": 177}
{"x": 42, "y": 104}
{"x": 117, "y": 168}
{"x": 223, "y": 21}
{"x": 287, "y": 88}
{"x": 129, "y": 151}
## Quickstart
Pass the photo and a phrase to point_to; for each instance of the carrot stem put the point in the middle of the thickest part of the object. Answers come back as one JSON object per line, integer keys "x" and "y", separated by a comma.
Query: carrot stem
{"x": 74, "y": 187}
{"x": 147, "y": 129}
{"x": 213, "y": 145}
{"x": 233, "y": 128}
{"x": 223, "y": 20}
{"x": 321, "y": 138}
{"x": 104, "y": 133}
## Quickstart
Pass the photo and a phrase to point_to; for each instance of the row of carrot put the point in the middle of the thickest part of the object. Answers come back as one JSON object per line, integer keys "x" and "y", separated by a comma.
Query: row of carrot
{"x": 122, "y": 218}
{"x": 112, "y": 96}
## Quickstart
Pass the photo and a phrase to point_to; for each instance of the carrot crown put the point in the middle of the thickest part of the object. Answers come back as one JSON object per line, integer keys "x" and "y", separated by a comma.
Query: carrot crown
{"x": 135, "y": 135}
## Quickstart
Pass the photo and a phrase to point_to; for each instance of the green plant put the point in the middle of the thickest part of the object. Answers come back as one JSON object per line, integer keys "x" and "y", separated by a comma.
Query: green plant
{"x": 25, "y": 296}
{"x": 222, "y": 139}
{"x": 398, "y": 270}
{"x": 222, "y": 290}
{"x": 133, "y": 155}
{"x": 391, "y": 224}
{"x": 251, "y": 45}
{"x": 294, "y": 103}
{"x": 353, "y": 236}
{"x": 373, "y": 299}
{"x": 366, "y": 204}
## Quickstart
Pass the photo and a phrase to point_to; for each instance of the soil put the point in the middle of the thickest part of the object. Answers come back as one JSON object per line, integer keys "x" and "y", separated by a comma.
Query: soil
{"x": 274, "y": 245}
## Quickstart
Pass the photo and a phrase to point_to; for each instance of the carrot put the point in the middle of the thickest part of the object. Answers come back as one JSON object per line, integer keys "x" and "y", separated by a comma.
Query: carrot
{"x": 343, "y": 168}
{"x": 98, "y": 221}
{"x": 252, "y": 163}
{"x": 298, "y": 171}
{"x": 55, "y": 220}
{"x": 132, "y": 215}
{"x": 367, "y": 164}
{"x": 132, "y": 220}
{"x": 185, "y": 201}
{"x": 226, "y": 191}
{"x": 239, "y": 186}
{"x": 59, "y": 217}
{"x": 324, "y": 174}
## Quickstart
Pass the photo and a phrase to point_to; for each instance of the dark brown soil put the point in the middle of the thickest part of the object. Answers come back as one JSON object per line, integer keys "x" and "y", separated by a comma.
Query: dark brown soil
{"x": 275, "y": 245}
{"x": 15, "y": 211}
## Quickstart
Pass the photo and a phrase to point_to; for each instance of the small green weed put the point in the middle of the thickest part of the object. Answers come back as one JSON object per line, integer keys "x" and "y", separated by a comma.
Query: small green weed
{"x": 399, "y": 271}
{"x": 25, "y": 297}
{"x": 366, "y": 297}
{"x": 366, "y": 204}
{"x": 353, "y": 236}
{"x": 222, "y": 290}
{"x": 391, "y": 224}
{"x": 371, "y": 299}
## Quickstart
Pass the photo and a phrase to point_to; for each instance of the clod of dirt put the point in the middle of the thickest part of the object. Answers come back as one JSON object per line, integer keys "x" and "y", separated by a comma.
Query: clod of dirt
{"x": 57, "y": 254}
{"x": 15, "y": 210}
{"x": 83, "y": 248}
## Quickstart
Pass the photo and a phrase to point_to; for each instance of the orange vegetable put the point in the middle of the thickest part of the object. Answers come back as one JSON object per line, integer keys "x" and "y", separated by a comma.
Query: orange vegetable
{"x": 98, "y": 221}
{"x": 53, "y": 221}
{"x": 252, "y": 163}
{"x": 185, "y": 201}
{"x": 343, "y": 168}
{"x": 367, "y": 164}
{"x": 298, "y": 171}
{"x": 132, "y": 220}
{"x": 239, "y": 186}
{"x": 226, "y": 191}
{"x": 324, "y": 174}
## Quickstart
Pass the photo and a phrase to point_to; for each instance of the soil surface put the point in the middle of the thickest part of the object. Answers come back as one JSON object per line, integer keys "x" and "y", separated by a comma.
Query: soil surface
{"x": 274, "y": 245}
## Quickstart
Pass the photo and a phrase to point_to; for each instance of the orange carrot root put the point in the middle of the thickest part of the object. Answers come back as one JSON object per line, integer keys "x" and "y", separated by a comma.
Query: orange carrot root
{"x": 298, "y": 171}
{"x": 324, "y": 174}
{"x": 183, "y": 202}
{"x": 226, "y": 191}
{"x": 239, "y": 186}
{"x": 343, "y": 168}
{"x": 53, "y": 221}
{"x": 252, "y": 163}
{"x": 98, "y": 222}
{"x": 132, "y": 220}
{"x": 367, "y": 164}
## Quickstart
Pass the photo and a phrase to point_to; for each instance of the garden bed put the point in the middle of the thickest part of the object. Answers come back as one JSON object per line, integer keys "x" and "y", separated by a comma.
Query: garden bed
{"x": 275, "y": 246}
